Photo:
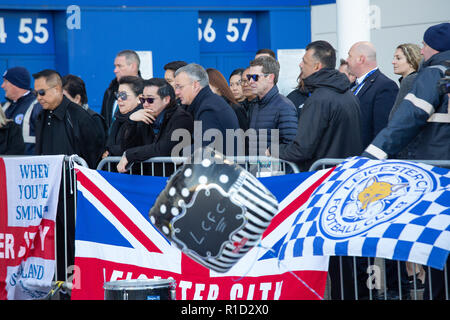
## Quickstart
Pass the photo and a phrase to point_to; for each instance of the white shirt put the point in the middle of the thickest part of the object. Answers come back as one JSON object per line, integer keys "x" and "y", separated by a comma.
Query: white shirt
{"x": 360, "y": 80}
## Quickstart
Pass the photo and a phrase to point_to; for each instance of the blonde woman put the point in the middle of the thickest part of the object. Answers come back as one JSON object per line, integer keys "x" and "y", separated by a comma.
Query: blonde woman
{"x": 407, "y": 59}
{"x": 11, "y": 139}
{"x": 406, "y": 62}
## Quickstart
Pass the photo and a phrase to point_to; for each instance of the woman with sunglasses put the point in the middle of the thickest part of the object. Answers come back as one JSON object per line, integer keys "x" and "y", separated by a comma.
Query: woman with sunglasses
{"x": 150, "y": 132}
{"x": 130, "y": 89}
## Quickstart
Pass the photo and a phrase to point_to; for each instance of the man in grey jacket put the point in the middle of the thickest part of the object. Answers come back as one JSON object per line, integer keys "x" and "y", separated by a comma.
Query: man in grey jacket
{"x": 273, "y": 111}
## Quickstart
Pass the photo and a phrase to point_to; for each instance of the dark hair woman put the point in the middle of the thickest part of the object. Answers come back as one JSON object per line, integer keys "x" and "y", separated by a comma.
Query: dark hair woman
{"x": 219, "y": 86}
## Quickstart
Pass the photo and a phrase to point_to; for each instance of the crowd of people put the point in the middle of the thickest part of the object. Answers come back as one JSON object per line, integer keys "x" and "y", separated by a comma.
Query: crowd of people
{"x": 333, "y": 113}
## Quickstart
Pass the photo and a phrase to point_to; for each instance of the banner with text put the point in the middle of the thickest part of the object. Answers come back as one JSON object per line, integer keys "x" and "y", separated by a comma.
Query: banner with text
{"x": 29, "y": 190}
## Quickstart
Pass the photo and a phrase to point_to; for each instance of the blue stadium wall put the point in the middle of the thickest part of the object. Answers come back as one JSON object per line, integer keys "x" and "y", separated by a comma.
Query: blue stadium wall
{"x": 41, "y": 34}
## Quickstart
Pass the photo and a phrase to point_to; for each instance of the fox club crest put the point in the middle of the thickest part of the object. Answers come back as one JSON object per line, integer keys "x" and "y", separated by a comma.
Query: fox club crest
{"x": 372, "y": 196}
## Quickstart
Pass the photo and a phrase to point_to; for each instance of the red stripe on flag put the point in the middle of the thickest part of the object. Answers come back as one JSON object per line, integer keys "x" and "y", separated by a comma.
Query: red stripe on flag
{"x": 117, "y": 213}
{"x": 3, "y": 224}
{"x": 295, "y": 204}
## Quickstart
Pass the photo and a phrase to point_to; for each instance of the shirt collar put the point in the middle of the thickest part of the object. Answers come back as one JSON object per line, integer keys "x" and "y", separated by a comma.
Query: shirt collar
{"x": 60, "y": 110}
{"x": 361, "y": 79}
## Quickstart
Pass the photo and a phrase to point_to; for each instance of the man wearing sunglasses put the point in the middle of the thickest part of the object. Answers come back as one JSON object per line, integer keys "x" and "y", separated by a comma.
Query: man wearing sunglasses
{"x": 63, "y": 127}
{"x": 149, "y": 134}
{"x": 273, "y": 110}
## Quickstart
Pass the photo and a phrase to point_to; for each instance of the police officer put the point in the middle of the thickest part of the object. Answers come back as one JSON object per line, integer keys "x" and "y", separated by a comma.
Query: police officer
{"x": 21, "y": 104}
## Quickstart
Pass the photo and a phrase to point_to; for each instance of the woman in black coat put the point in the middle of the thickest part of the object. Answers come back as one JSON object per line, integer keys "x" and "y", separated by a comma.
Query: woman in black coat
{"x": 11, "y": 139}
{"x": 129, "y": 92}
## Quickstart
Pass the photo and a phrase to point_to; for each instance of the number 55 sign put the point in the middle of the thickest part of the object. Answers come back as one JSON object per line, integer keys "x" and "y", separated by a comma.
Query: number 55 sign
{"x": 227, "y": 31}
{"x": 26, "y": 32}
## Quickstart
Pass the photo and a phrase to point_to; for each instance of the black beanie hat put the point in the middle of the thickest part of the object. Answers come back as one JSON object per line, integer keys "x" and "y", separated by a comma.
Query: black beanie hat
{"x": 18, "y": 76}
{"x": 438, "y": 37}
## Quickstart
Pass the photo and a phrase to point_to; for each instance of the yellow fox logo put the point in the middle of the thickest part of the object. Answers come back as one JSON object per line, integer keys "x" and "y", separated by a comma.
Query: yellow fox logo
{"x": 375, "y": 190}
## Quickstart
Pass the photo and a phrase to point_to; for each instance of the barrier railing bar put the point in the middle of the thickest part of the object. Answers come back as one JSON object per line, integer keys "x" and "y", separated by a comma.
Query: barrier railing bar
{"x": 335, "y": 161}
{"x": 247, "y": 161}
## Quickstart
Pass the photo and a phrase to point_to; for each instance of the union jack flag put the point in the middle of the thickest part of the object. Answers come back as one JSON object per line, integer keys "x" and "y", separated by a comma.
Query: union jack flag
{"x": 115, "y": 240}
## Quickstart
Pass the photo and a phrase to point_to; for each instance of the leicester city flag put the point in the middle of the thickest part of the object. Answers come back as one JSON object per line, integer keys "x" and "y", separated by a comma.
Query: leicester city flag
{"x": 390, "y": 209}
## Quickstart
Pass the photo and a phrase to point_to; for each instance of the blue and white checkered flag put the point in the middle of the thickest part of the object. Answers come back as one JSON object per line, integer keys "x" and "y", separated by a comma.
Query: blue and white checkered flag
{"x": 390, "y": 209}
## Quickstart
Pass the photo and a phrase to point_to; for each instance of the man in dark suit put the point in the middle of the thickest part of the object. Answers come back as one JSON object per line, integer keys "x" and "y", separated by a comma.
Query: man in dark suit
{"x": 126, "y": 63}
{"x": 376, "y": 94}
{"x": 375, "y": 91}
{"x": 209, "y": 110}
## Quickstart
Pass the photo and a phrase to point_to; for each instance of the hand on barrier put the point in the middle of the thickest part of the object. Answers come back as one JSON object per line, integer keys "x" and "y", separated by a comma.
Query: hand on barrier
{"x": 122, "y": 165}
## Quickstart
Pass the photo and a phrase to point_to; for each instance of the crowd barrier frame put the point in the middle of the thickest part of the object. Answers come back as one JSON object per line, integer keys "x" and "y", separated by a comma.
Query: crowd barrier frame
{"x": 325, "y": 163}
{"x": 64, "y": 285}
{"x": 257, "y": 165}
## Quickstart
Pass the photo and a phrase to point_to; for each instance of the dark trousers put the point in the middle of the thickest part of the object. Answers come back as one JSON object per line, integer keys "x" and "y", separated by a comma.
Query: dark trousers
{"x": 438, "y": 290}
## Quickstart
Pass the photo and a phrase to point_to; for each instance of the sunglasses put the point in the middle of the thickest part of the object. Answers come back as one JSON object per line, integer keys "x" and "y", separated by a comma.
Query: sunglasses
{"x": 42, "y": 92}
{"x": 122, "y": 95}
{"x": 255, "y": 77}
{"x": 149, "y": 100}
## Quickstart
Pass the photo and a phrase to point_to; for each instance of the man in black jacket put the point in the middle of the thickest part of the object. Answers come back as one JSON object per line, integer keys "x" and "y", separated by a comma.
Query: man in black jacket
{"x": 126, "y": 63}
{"x": 150, "y": 133}
{"x": 329, "y": 122}
{"x": 63, "y": 127}
{"x": 329, "y": 127}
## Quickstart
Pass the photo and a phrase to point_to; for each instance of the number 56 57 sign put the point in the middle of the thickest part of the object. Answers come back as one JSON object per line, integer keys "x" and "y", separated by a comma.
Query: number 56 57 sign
{"x": 227, "y": 31}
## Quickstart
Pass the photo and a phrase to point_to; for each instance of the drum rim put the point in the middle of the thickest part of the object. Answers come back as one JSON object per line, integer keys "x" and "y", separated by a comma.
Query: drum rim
{"x": 138, "y": 284}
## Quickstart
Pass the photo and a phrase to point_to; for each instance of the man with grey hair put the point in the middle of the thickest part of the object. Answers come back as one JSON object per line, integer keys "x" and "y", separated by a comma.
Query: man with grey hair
{"x": 126, "y": 63}
{"x": 273, "y": 111}
{"x": 375, "y": 91}
{"x": 212, "y": 111}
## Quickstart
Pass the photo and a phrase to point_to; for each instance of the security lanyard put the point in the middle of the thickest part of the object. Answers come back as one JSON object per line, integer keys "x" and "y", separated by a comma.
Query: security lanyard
{"x": 356, "y": 89}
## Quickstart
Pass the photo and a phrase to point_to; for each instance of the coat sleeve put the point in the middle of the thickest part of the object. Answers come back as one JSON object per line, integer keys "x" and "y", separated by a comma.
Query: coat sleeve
{"x": 382, "y": 106}
{"x": 412, "y": 115}
{"x": 312, "y": 123}
{"x": 15, "y": 144}
{"x": 288, "y": 123}
{"x": 163, "y": 146}
{"x": 92, "y": 140}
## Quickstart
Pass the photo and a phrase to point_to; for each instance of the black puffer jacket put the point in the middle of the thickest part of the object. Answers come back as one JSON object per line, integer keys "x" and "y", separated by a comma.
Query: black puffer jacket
{"x": 329, "y": 122}
{"x": 11, "y": 140}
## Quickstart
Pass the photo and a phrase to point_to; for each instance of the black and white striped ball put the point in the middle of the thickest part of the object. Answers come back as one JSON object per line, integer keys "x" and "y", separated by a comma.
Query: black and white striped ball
{"x": 214, "y": 211}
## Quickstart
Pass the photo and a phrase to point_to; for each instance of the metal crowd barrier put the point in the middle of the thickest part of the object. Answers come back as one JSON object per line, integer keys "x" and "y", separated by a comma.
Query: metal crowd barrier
{"x": 62, "y": 282}
{"x": 408, "y": 293}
